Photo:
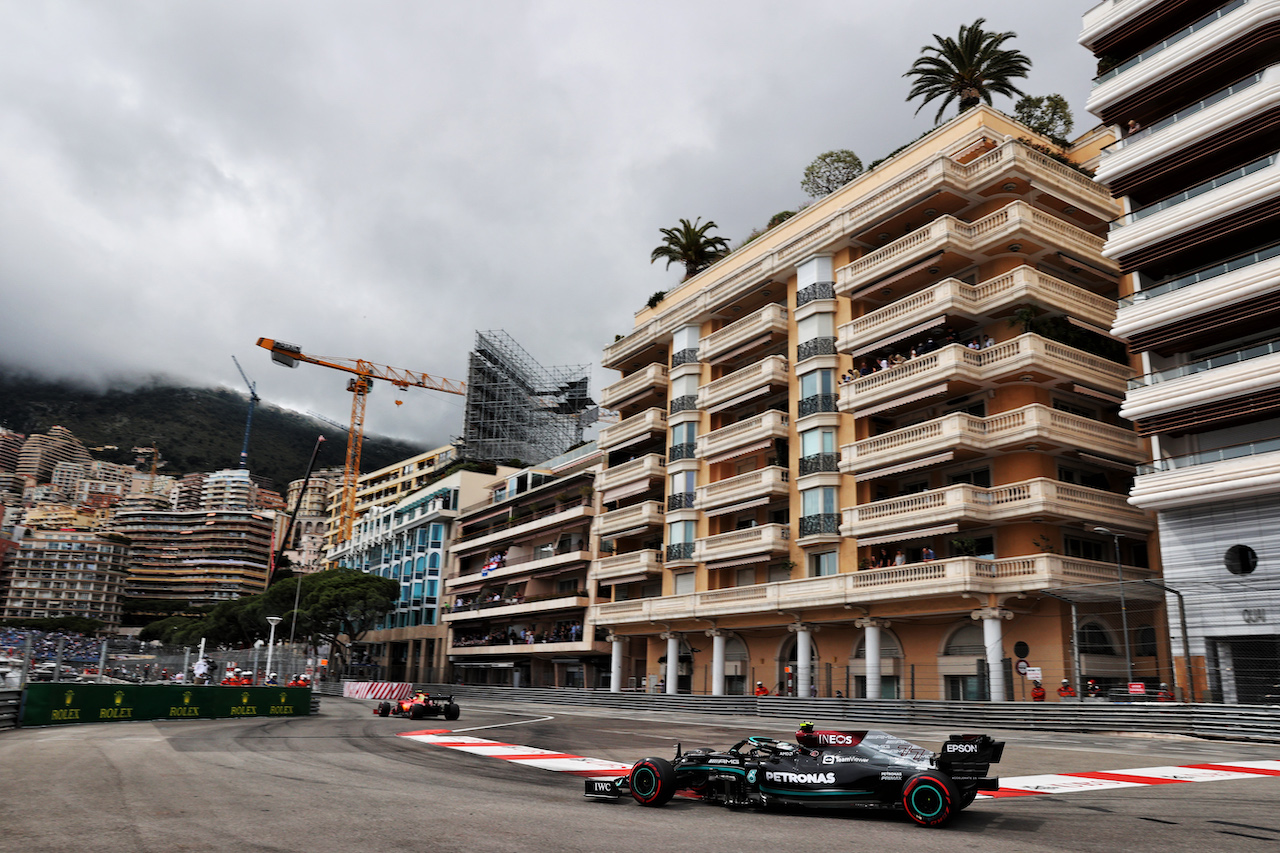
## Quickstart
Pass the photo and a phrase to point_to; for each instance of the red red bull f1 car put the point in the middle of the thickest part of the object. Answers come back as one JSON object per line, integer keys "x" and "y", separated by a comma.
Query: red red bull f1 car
{"x": 825, "y": 769}
{"x": 420, "y": 705}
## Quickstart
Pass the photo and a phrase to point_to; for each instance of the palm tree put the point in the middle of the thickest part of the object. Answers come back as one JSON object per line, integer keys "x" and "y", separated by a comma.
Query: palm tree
{"x": 691, "y": 245}
{"x": 971, "y": 67}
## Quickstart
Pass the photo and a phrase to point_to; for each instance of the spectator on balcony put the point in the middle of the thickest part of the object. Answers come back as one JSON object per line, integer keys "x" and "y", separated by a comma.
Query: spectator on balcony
{"x": 864, "y": 369}
{"x": 900, "y": 558}
{"x": 926, "y": 554}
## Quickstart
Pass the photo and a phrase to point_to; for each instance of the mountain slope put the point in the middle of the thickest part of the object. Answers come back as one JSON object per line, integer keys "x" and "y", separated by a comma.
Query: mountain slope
{"x": 196, "y": 429}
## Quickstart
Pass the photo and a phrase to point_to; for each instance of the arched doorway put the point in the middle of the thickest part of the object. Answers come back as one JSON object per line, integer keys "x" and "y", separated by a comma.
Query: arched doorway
{"x": 958, "y": 664}
{"x": 788, "y": 676}
{"x": 737, "y": 667}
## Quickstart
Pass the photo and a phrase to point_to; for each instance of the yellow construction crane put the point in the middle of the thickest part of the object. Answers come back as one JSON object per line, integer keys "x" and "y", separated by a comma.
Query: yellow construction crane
{"x": 365, "y": 372}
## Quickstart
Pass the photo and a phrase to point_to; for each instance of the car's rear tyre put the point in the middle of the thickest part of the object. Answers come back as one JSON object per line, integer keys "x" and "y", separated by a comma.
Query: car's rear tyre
{"x": 417, "y": 712}
{"x": 653, "y": 781}
{"x": 384, "y": 710}
{"x": 930, "y": 798}
{"x": 452, "y": 711}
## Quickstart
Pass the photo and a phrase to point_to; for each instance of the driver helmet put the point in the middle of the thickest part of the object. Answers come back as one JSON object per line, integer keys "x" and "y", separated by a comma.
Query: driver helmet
{"x": 806, "y": 726}
{"x": 805, "y": 736}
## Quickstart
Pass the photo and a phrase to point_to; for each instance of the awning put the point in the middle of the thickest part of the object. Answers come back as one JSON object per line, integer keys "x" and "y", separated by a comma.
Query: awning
{"x": 905, "y": 333}
{"x": 641, "y": 485}
{"x": 639, "y": 438}
{"x": 741, "y": 561}
{"x": 634, "y": 577}
{"x": 742, "y": 398}
{"x": 630, "y": 531}
{"x": 751, "y": 344}
{"x": 932, "y": 391}
{"x": 725, "y": 510}
{"x": 904, "y": 535}
{"x": 741, "y": 451}
{"x": 922, "y": 462}
{"x": 1091, "y": 327}
{"x": 1127, "y": 467}
{"x": 1093, "y": 392}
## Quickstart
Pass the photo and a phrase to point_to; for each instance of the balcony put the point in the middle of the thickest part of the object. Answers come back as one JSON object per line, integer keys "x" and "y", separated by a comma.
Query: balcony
{"x": 1228, "y": 193}
{"x": 1157, "y": 62}
{"x": 1155, "y": 313}
{"x": 1228, "y": 473}
{"x": 506, "y": 608}
{"x": 764, "y": 541}
{"x": 630, "y": 477}
{"x": 958, "y": 369}
{"x": 634, "y": 429}
{"x": 765, "y": 326}
{"x": 944, "y": 578}
{"x": 1037, "y": 498}
{"x": 1018, "y": 222}
{"x": 951, "y": 297}
{"x": 744, "y": 437}
{"x": 770, "y": 482}
{"x": 650, "y": 380}
{"x": 516, "y": 569}
{"x": 1240, "y": 374}
{"x": 1032, "y": 424}
{"x": 627, "y": 568}
{"x": 1234, "y": 105}
{"x": 507, "y": 650}
{"x": 630, "y": 520}
{"x": 751, "y": 381}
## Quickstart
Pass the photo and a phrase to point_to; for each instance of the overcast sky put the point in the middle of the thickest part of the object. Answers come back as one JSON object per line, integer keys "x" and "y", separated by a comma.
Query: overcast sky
{"x": 378, "y": 180}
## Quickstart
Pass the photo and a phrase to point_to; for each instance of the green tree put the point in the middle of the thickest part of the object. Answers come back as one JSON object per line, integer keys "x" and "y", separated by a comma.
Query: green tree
{"x": 972, "y": 67}
{"x": 691, "y": 245}
{"x": 830, "y": 171}
{"x": 1049, "y": 116}
{"x": 341, "y": 603}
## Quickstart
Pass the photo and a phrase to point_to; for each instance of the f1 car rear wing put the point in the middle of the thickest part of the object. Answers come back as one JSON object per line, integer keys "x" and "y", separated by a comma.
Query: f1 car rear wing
{"x": 968, "y": 758}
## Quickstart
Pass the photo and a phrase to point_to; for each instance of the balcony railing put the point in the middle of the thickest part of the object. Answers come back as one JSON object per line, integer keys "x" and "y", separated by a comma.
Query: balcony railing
{"x": 680, "y": 552}
{"x": 1238, "y": 263}
{"x": 647, "y": 467}
{"x": 814, "y": 292}
{"x": 647, "y": 562}
{"x": 652, "y": 377}
{"x": 755, "y": 431}
{"x": 770, "y": 371}
{"x": 823, "y": 524}
{"x": 1198, "y": 190}
{"x": 676, "y": 452}
{"x": 1159, "y": 47}
{"x": 769, "y": 320}
{"x": 638, "y": 516}
{"x": 753, "y": 484}
{"x": 817, "y": 463}
{"x": 1039, "y": 497}
{"x": 648, "y": 421}
{"x": 681, "y": 500}
{"x": 1259, "y": 351}
{"x": 946, "y": 577}
{"x": 765, "y": 539}
{"x": 1205, "y": 457}
{"x": 687, "y": 403}
{"x": 818, "y": 403}
{"x": 815, "y": 347}
{"x": 1184, "y": 114}
{"x": 685, "y": 356}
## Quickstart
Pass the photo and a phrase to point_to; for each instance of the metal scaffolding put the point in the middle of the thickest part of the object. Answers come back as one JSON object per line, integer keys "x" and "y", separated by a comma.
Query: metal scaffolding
{"x": 518, "y": 409}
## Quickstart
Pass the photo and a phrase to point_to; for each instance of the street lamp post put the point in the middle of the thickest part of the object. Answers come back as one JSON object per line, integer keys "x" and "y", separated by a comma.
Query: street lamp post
{"x": 271, "y": 641}
{"x": 1124, "y": 612}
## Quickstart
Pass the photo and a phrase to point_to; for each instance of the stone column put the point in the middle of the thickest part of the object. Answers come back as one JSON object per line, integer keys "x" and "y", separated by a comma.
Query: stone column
{"x": 804, "y": 656}
{"x": 615, "y": 664}
{"x": 673, "y": 660}
{"x": 871, "y": 652}
{"x": 717, "y": 661}
{"x": 993, "y": 639}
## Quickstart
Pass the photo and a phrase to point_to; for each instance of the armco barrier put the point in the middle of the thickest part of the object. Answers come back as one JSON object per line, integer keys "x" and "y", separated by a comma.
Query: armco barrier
{"x": 57, "y": 704}
{"x": 10, "y": 701}
{"x": 1232, "y": 722}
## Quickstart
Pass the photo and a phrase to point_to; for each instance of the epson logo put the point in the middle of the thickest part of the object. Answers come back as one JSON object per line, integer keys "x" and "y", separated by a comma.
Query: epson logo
{"x": 800, "y": 778}
{"x": 961, "y": 747}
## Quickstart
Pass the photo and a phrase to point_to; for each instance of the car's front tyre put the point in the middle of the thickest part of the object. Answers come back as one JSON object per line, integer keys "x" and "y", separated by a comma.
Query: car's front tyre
{"x": 930, "y": 798}
{"x": 652, "y": 781}
{"x": 384, "y": 710}
{"x": 452, "y": 711}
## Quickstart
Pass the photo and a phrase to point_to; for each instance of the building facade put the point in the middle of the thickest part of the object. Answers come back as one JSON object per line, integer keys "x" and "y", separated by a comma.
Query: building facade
{"x": 57, "y": 573}
{"x": 859, "y": 455}
{"x": 1194, "y": 90}
{"x": 519, "y": 595}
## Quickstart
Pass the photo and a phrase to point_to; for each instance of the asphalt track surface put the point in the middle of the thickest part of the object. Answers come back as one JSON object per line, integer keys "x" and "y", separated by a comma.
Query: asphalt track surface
{"x": 344, "y": 781}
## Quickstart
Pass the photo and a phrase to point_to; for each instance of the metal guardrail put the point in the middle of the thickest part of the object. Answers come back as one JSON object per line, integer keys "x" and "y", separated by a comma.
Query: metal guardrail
{"x": 1228, "y": 722}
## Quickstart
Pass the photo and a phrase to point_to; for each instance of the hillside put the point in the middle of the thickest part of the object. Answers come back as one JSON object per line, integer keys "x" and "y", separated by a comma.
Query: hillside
{"x": 196, "y": 429}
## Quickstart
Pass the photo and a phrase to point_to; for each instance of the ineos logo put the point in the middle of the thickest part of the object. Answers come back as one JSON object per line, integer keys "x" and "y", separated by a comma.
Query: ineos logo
{"x": 835, "y": 739}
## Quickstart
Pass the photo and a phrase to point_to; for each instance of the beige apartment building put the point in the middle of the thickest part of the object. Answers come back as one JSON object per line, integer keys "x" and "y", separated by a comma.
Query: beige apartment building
{"x": 877, "y": 451}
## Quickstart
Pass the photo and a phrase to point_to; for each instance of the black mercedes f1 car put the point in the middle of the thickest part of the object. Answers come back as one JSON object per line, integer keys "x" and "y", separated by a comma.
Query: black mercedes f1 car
{"x": 825, "y": 769}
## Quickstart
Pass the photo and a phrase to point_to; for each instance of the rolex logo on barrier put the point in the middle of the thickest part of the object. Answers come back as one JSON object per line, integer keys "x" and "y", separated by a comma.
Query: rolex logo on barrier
{"x": 186, "y": 697}
{"x": 62, "y": 715}
{"x": 244, "y": 709}
{"x": 186, "y": 709}
{"x": 69, "y": 696}
{"x": 119, "y": 697}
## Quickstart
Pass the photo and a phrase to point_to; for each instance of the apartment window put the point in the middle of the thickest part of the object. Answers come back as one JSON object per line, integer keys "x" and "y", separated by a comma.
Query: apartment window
{"x": 684, "y": 485}
{"x": 745, "y": 577}
{"x": 683, "y": 441}
{"x": 817, "y": 382}
{"x": 820, "y": 501}
{"x": 1086, "y": 549}
{"x": 683, "y": 583}
{"x": 814, "y": 441}
{"x": 976, "y": 477}
{"x": 821, "y": 565}
{"x": 1075, "y": 409}
{"x": 681, "y": 536}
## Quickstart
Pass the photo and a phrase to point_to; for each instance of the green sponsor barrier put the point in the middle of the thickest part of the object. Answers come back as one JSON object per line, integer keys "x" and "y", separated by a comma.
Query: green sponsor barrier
{"x": 55, "y": 704}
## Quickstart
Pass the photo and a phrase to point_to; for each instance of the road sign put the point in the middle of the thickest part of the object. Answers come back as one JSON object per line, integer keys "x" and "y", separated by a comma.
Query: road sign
{"x": 1021, "y": 667}
{"x": 1033, "y": 673}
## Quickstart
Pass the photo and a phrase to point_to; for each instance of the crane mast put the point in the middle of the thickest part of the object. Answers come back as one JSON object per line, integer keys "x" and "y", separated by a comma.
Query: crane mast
{"x": 248, "y": 422}
{"x": 364, "y": 372}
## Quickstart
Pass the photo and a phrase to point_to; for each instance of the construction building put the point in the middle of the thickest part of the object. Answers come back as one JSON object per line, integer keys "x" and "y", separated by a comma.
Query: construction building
{"x": 869, "y": 452}
{"x": 1193, "y": 90}
{"x": 519, "y": 410}
{"x": 57, "y": 573}
{"x": 520, "y": 592}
